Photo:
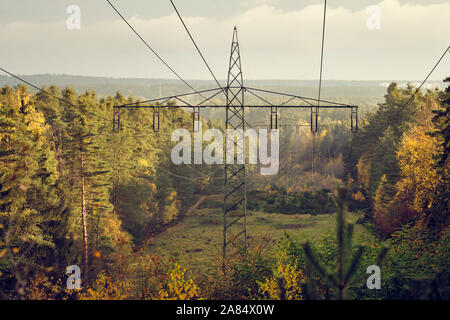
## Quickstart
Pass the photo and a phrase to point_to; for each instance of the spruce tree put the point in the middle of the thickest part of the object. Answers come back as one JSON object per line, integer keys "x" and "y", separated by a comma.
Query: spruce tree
{"x": 33, "y": 216}
{"x": 441, "y": 120}
{"x": 348, "y": 260}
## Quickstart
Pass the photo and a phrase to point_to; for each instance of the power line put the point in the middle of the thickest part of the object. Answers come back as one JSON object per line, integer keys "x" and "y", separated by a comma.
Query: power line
{"x": 295, "y": 96}
{"x": 77, "y": 107}
{"x": 98, "y": 116}
{"x": 388, "y": 122}
{"x": 152, "y": 50}
{"x": 94, "y": 114}
{"x": 199, "y": 51}
{"x": 167, "y": 98}
{"x": 321, "y": 55}
{"x": 52, "y": 95}
{"x": 31, "y": 120}
{"x": 69, "y": 103}
{"x": 148, "y": 46}
{"x": 201, "y": 55}
{"x": 195, "y": 44}
{"x": 415, "y": 92}
{"x": 320, "y": 86}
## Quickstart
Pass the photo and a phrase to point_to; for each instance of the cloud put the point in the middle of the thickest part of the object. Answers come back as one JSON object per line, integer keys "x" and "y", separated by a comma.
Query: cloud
{"x": 275, "y": 43}
{"x": 254, "y": 3}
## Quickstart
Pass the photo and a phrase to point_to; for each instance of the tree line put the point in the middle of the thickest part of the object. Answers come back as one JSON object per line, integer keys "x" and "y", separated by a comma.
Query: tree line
{"x": 74, "y": 192}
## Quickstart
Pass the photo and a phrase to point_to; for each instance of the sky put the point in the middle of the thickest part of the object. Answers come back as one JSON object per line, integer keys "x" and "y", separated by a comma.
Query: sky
{"x": 279, "y": 39}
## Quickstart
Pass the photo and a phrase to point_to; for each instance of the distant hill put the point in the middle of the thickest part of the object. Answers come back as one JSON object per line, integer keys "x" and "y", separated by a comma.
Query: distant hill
{"x": 362, "y": 92}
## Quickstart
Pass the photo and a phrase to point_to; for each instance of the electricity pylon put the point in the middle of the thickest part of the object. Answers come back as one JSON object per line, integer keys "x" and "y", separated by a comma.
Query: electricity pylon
{"x": 235, "y": 238}
{"x": 235, "y": 184}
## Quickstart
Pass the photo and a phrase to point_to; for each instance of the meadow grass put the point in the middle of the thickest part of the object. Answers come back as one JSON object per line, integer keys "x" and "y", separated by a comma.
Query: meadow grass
{"x": 196, "y": 241}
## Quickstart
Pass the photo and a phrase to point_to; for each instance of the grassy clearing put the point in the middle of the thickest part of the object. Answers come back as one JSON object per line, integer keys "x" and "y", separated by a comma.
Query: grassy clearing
{"x": 196, "y": 241}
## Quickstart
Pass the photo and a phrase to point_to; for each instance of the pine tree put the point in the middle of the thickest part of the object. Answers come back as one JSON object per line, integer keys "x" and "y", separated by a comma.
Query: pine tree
{"x": 441, "y": 120}
{"x": 32, "y": 213}
{"x": 348, "y": 260}
{"x": 84, "y": 155}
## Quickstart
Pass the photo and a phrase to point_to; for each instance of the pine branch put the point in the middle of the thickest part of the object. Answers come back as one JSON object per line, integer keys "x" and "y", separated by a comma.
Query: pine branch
{"x": 353, "y": 265}
{"x": 319, "y": 267}
{"x": 382, "y": 255}
{"x": 346, "y": 270}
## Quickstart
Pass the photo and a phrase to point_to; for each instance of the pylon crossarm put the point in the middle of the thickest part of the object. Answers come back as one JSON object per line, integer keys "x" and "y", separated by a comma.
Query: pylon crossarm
{"x": 259, "y": 97}
{"x": 297, "y": 96}
{"x": 287, "y": 101}
{"x": 138, "y": 103}
{"x": 185, "y": 102}
{"x": 208, "y": 99}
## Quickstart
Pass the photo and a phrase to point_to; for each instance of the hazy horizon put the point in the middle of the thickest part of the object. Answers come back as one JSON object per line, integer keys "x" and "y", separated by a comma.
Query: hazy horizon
{"x": 209, "y": 80}
{"x": 279, "y": 39}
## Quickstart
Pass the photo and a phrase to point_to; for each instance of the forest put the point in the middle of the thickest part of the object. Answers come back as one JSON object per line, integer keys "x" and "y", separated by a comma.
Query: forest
{"x": 72, "y": 192}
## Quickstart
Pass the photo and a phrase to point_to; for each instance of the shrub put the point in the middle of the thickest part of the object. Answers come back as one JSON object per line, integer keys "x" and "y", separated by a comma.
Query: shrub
{"x": 285, "y": 283}
{"x": 177, "y": 286}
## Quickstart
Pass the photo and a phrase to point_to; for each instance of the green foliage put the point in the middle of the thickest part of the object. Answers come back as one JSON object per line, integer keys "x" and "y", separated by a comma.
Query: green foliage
{"x": 417, "y": 265}
{"x": 307, "y": 202}
{"x": 347, "y": 261}
{"x": 177, "y": 286}
{"x": 441, "y": 121}
{"x": 33, "y": 216}
{"x": 379, "y": 136}
{"x": 71, "y": 192}
{"x": 396, "y": 171}
{"x": 246, "y": 274}
{"x": 285, "y": 283}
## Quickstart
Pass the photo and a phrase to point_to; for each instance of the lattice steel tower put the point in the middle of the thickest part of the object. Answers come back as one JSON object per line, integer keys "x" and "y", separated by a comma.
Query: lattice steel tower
{"x": 235, "y": 240}
{"x": 235, "y": 189}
